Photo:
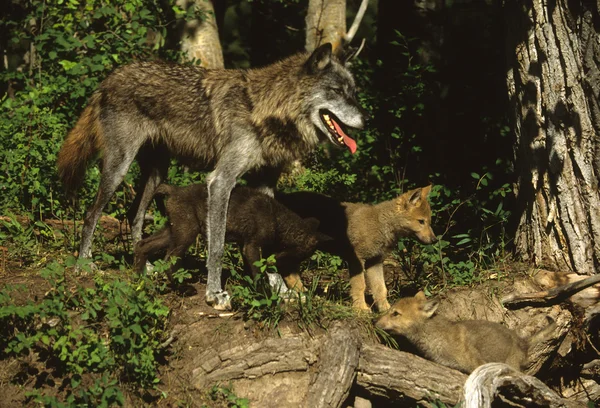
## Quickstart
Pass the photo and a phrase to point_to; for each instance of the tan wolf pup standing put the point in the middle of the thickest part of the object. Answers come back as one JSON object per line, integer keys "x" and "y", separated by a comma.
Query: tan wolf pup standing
{"x": 462, "y": 345}
{"x": 230, "y": 121}
{"x": 364, "y": 234}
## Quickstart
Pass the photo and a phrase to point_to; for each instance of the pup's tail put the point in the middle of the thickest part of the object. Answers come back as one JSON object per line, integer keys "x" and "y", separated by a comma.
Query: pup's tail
{"x": 544, "y": 334}
{"x": 80, "y": 146}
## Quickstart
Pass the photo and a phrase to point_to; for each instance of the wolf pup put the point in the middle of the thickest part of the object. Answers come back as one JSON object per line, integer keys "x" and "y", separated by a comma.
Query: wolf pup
{"x": 364, "y": 234}
{"x": 230, "y": 121}
{"x": 462, "y": 345}
{"x": 261, "y": 225}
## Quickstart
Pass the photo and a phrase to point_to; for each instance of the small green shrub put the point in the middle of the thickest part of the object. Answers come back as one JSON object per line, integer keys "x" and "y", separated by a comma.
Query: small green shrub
{"x": 111, "y": 331}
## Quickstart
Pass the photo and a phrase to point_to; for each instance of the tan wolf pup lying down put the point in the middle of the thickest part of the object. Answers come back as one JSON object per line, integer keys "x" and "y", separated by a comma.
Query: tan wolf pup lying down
{"x": 261, "y": 225}
{"x": 364, "y": 234}
{"x": 462, "y": 345}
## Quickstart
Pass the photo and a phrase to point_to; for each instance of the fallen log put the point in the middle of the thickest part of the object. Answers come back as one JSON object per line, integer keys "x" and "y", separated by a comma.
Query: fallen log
{"x": 335, "y": 372}
{"x": 549, "y": 296}
{"x": 497, "y": 383}
{"x": 394, "y": 374}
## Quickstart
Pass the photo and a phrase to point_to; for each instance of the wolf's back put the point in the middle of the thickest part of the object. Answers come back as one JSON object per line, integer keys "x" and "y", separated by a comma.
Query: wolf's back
{"x": 80, "y": 145}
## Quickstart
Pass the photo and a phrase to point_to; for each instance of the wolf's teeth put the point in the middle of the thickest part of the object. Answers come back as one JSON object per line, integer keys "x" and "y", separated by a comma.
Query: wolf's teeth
{"x": 326, "y": 117}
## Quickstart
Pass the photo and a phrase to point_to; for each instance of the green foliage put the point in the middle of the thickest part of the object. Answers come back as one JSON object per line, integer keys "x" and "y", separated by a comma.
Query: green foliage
{"x": 111, "y": 331}
{"x": 219, "y": 393}
{"x": 255, "y": 297}
{"x": 58, "y": 54}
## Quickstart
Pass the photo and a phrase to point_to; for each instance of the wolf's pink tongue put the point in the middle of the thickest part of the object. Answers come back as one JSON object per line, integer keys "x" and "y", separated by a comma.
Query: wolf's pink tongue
{"x": 347, "y": 139}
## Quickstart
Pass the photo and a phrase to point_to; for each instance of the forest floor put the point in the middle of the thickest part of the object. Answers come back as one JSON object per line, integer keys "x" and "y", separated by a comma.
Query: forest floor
{"x": 193, "y": 328}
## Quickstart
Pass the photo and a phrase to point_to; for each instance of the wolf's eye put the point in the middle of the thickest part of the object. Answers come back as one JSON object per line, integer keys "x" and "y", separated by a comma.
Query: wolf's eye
{"x": 335, "y": 89}
{"x": 422, "y": 222}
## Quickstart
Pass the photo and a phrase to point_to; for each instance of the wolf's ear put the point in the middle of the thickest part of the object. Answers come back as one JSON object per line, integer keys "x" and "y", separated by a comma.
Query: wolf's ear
{"x": 323, "y": 237}
{"x": 348, "y": 53}
{"x": 415, "y": 195}
{"x": 426, "y": 190}
{"x": 430, "y": 307}
{"x": 319, "y": 59}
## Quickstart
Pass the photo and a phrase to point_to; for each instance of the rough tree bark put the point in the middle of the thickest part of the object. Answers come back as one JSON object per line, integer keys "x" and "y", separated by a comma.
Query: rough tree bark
{"x": 553, "y": 81}
{"x": 326, "y": 23}
{"x": 200, "y": 37}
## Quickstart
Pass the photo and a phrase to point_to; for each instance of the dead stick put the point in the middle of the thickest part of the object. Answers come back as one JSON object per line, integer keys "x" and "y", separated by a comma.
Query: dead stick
{"x": 545, "y": 296}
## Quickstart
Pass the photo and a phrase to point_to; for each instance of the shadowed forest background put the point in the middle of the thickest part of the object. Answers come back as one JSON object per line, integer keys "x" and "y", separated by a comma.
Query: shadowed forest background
{"x": 493, "y": 102}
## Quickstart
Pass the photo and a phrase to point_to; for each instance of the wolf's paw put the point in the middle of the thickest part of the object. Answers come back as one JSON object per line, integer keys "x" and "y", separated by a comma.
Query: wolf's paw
{"x": 383, "y": 306}
{"x": 293, "y": 296}
{"x": 361, "y": 307}
{"x": 218, "y": 300}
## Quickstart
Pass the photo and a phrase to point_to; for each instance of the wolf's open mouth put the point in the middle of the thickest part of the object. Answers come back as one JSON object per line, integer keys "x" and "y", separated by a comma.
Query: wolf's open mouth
{"x": 336, "y": 131}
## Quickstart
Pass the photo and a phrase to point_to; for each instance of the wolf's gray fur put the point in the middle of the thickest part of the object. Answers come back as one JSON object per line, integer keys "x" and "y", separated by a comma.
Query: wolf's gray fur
{"x": 231, "y": 121}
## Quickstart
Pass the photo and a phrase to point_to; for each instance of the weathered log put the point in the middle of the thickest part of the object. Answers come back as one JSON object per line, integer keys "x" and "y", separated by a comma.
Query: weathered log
{"x": 548, "y": 296}
{"x": 395, "y": 374}
{"x": 496, "y": 382}
{"x": 336, "y": 369}
{"x": 255, "y": 360}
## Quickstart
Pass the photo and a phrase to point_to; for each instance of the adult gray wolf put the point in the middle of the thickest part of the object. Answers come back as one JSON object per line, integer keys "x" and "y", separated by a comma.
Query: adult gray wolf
{"x": 260, "y": 224}
{"x": 364, "y": 234}
{"x": 230, "y": 121}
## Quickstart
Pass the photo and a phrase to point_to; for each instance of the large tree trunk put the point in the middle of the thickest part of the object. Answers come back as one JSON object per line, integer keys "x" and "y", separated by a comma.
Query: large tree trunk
{"x": 200, "y": 37}
{"x": 325, "y": 23}
{"x": 553, "y": 82}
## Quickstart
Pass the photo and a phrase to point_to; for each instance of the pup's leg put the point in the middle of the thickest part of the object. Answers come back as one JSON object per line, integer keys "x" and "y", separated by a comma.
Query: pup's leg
{"x": 293, "y": 282}
{"x": 357, "y": 285}
{"x": 114, "y": 168}
{"x": 376, "y": 281}
{"x": 147, "y": 246}
{"x": 154, "y": 164}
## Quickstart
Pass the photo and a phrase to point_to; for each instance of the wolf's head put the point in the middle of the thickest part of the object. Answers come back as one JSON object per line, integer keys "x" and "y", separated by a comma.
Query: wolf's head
{"x": 415, "y": 214}
{"x": 407, "y": 313}
{"x": 332, "y": 104}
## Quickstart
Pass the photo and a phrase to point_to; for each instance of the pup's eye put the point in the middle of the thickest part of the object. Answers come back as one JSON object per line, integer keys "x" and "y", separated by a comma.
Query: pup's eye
{"x": 395, "y": 313}
{"x": 422, "y": 222}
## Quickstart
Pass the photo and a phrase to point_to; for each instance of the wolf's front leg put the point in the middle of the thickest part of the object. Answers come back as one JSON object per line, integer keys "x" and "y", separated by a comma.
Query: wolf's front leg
{"x": 358, "y": 285}
{"x": 219, "y": 191}
{"x": 376, "y": 282}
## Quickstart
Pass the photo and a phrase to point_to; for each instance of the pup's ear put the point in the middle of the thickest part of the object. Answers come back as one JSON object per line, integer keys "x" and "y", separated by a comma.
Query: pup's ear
{"x": 415, "y": 196}
{"x": 426, "y": 190}
{"x": 319, "y": 59}
{"x": 430, "y": 307}
{"x": 323, "y": 237}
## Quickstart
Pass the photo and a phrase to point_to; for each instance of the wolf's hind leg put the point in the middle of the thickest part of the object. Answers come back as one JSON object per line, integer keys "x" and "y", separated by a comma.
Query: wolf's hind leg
{"x": 114, "y": 168}
{"x": 376, "y": 282}
{"x": 154, "y": 164}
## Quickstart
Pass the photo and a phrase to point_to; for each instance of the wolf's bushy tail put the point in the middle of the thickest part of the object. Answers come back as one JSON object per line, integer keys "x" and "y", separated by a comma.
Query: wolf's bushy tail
{"x": 80, "y": 146}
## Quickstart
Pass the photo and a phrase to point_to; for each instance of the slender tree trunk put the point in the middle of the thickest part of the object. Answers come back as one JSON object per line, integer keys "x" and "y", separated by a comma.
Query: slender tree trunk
{"x": 553, "y": 83}
{"x": 325, "y": 23}
{"x": 200, "y": 37}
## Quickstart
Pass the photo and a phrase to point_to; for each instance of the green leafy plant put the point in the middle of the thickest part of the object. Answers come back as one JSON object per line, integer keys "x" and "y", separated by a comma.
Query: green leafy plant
{"x": 111, "y": 331}
{"x": 255, "y": 297}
